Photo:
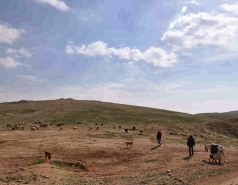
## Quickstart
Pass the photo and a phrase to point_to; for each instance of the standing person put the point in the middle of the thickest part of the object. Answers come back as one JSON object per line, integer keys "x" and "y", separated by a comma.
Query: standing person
{"x": 191, "y": 144}
{"x": 158, "y": 137}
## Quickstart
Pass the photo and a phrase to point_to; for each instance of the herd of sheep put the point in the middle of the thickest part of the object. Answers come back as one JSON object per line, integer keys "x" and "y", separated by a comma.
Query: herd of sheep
{"x": 37, "y": 124}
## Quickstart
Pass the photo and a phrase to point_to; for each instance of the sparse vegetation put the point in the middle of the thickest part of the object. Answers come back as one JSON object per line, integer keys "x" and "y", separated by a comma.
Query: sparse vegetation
{"x": 100, "y": 155}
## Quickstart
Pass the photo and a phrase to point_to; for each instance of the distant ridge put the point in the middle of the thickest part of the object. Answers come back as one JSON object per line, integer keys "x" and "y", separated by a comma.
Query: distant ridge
{"x": 221, "y": 116}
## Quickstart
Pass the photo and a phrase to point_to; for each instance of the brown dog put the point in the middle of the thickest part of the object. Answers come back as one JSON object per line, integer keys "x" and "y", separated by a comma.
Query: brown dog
{"x": 47, "y": 155}
{"x": 129, "y": 143}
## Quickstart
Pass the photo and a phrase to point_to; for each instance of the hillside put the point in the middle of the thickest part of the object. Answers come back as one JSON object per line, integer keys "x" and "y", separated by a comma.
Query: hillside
{"x": 99, "y": 155}
{"x": 90, "y": 112}
{"x": 220, "y": 116}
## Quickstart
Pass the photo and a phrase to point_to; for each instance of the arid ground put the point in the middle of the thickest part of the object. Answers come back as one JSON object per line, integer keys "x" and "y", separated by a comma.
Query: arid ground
{"x": 85, "y": 156}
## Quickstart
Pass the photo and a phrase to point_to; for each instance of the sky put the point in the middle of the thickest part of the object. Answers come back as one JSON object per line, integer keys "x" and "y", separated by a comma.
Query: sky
{"x": 178, "y": 55}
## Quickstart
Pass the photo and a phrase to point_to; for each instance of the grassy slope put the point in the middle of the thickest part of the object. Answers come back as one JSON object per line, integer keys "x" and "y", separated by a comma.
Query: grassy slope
{"x": 221, "y": 116}
{"x": 89, "y": 112}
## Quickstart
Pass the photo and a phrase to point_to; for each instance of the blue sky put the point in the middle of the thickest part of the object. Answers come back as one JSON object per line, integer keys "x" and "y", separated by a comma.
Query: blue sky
{"x": 178, "y": 55}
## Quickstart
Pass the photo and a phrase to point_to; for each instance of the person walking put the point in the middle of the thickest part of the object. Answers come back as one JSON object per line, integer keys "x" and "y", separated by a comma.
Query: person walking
{"x": 191, "y": 144}
{"x": 158, "y": 137}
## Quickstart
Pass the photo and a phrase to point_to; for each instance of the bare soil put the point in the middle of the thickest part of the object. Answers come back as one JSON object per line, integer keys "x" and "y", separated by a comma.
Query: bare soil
{"x": 86, "y": 156}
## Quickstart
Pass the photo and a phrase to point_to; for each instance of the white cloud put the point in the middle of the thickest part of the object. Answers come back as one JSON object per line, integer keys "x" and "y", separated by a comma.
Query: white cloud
{"x": 55, "y": 3}
{"x": 156, "y": 56}
{"x": 184, "y": 9}
{"x": 9, "y": 35}
{"x": 194, "y": 2}
{"x": 233, "y": 8}
{"x": 9, "y": 62}
{"x": 202, "y": 29}
{"x": 21, "y": 51}
{"x": 31, "y": 78}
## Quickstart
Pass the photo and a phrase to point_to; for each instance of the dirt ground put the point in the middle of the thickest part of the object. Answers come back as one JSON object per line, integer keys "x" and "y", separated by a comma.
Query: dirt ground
{"x": 86, "y": 156}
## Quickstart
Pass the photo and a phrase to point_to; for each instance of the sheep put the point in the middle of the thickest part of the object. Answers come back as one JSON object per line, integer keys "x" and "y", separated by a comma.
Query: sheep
{"x": 74, "y": 128}
{"x": 61, "y": 127}
{"x": 60, "y": 124}
{"x": 134, "y": 128}
{"x": 213, "y": 159}
{"x": 79, "y": 122}
{"x": 218, "y": 156}
{"x": 141, "y": 131}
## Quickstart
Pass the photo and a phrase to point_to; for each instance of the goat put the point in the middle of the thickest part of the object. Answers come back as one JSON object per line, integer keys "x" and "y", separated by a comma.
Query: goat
{"x": 126, "y": 130}
{"x": 141, "y": 131}
{"x": 74, "y": 128}
{"x": 61, "y": 127}
{"x": 47, "y": 155}
{"x": 129, "y": 143}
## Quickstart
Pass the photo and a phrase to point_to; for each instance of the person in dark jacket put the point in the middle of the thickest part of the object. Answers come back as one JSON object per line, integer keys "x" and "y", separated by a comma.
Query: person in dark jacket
{"x": 158, "y": 137}
{"x": 191, "y": 144}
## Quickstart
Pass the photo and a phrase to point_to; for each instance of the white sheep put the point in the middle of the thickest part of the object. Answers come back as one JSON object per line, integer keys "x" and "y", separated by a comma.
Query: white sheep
{"x": 218, "y": 156}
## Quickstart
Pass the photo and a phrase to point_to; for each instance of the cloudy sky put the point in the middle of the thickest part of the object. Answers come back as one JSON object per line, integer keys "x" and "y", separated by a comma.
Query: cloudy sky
{"x": 178, "y": 55}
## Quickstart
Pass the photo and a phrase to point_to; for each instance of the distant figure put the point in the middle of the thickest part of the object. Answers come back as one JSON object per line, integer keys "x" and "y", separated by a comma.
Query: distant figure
{"x": 158, "y": 137}
{"x": 191, "y": 144}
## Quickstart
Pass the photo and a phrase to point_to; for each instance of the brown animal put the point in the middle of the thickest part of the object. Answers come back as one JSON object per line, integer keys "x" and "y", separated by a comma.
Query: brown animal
{"x": 47, "y": 155}
{"x": 61, "y": 127}
{"x": 97, "y": 128}
{"x": 129, "y": 143}
{"x": 141, "y": 131}
{"x": 74, "y": 128}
